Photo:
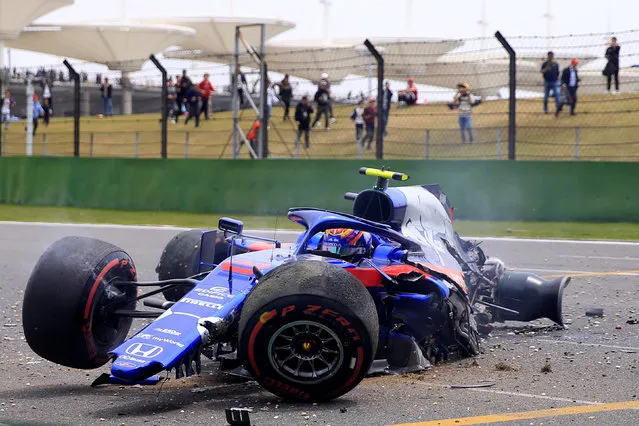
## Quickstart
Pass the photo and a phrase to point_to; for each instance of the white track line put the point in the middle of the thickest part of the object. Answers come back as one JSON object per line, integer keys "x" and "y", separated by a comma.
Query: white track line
{"x": 574, "y": 256}
{"x": 289, "y": 232}
{"x": 596, "y": 345}
{"x": 530, "y": 395}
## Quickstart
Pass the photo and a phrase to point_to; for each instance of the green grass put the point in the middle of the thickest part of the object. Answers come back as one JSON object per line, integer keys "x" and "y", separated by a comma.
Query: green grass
{"x": 572, "y": 230}
{"x": 607, "y": 130}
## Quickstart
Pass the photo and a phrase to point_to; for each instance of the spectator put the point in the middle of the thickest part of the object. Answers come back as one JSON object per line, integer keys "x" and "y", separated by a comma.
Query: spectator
{"x": 47, "y": 112}
{"x": 286, "y": 94}
{"x": 192, "y": 99}
{"x": 46, "y": 92}
{"x": 570, "y": 84}
{"x": 241, "y": 84}
{"x": 386, "y": 105}
{"x": 370, "y": 113}
{"x": 550, "y": 71}
{"x": 185, "y": 84}
{"x": 612, "y": 67}
{"x": 173, "y": 108}
{"x": 38, "y": 112}
{"x": 206, "y": 88}
{"x": 270, "y": 98}
{"x": 464, "y": 102}
{"x": 358, "y": 118}
{"x": 324, "y": 80}
{"x": 322, "y": 99}
{"x": 303, "y": 112}
{"x": 107, "y": 97}
{"x": 6, "y": 103}
{"x": 410, "y": 95}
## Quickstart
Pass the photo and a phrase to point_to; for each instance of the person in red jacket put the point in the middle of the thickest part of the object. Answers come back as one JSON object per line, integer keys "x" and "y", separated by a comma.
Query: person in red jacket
{"x": 370, "y": 114}
{"x": 206, "y": 88}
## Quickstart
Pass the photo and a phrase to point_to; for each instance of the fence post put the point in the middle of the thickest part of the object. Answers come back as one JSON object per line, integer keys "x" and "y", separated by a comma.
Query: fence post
{"x": 297, "y": 144}
{"x": 3, "y": 144}
{"x": 512, "y": 99}
{"x": 427, "y": 143}
{"x": 165, "y": 103}
{"x": 577, "y": 143}
{"x": 137, "y": 144}
{"x": 379, "y": 148}
{"x": 499, "y": 143}
{"x": 76, "y": 107}
{"x": 186, "y": 144}
{"x": 44, "y": 144}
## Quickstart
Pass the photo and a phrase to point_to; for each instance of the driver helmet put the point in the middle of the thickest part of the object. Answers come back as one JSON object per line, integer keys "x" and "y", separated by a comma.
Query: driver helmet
{"x": 347, "y": 244}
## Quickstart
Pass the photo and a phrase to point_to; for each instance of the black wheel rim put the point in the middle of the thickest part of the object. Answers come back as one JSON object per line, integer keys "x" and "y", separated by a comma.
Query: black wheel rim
{"x": 305, "y": 352}
{"x": 105, "y": 325}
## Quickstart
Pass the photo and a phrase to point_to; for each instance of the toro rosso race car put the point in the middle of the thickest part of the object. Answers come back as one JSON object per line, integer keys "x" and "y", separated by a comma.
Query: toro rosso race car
{"x": 389, "y": 287}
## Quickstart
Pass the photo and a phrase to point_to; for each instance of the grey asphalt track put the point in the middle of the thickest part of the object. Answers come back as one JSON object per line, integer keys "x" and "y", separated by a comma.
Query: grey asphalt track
{"x": 593, "y": 361}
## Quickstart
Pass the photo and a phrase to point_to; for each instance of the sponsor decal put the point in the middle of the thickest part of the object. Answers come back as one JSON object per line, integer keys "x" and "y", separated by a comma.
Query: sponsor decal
{"x": 124, "y": 364}
{"x": 168, "y": 331}
{"x": 130, "y": 358}
{"x": 218, "y": 293}
{"x": 143, "y": 350}
{"x": 169, "y": 341}
{"x": 144, "y": 336}
{"x": 201, "y": 303}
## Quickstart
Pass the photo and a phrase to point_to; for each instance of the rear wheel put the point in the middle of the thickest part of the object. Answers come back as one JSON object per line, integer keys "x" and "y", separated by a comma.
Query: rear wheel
{"x": 179, "y": 259}
{"x": 70, "y": 299}
{"x": 308, "y": 331}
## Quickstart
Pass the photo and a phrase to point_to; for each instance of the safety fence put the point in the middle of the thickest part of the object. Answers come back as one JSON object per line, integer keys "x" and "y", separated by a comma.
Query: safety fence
{"x": 523, "y": 127}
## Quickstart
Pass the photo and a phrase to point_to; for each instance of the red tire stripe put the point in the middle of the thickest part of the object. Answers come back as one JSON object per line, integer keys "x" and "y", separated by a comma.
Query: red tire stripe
{"x": 358, "y": 367}
{"x": 251, "y": 348}
{"x": 98, "y": 280}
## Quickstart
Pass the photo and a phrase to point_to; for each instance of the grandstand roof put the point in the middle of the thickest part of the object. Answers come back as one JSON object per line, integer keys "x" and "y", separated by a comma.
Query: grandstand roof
{"x": 120, "y": 46}
{"x": 15, "y": 15}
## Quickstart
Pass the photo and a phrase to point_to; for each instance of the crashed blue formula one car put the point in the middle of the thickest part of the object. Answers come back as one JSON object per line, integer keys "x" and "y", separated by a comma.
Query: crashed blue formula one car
{"x": 390, "y": 287}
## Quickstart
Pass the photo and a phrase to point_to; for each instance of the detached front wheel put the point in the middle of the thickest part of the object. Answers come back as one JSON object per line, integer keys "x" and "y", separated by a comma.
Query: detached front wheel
{"x": 308, "y": 331}
{"x": 70, "y": 302}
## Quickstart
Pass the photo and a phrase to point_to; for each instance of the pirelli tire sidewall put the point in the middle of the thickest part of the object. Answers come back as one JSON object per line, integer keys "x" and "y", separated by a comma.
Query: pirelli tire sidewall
{"x": 336, "y": 303}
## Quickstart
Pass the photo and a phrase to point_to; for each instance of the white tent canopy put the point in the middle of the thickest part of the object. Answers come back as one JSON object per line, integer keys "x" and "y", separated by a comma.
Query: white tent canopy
{"x": 120, "y": 46}
{"x": 216, "y": 35}
{"x": 16, "y": 14}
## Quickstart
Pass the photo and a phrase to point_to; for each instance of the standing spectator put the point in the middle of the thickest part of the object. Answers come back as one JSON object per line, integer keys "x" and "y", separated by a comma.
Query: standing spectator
{"x": 303, "y": 112}
{"x": 286, "y": 94}
{"x": 46, "y": 92}
{"x": 370, "y": 113}
{"x": 38, "y": 112}
{"x": 464, "y": 102}
{"x": 386, "y": 105}
{"x": 270, "y": 98}
{"x": 206, "y": 88}
{"x": 173, "y": 108}
{"x": 410, "y": 95}
{"x": 550, "y": 71}
{"x": 322, "y": 99}
{"x": 324, "y": 81}
{"x": 47, "y": 112}
{"x": 358, "y": 118}
{"x": 241, "y": 84}
{"x": 570, "y": 83}
{"x": 192, "y": 99}
{"x": 6, "y": 103}
{"x": 185, "y": 83}
{"x": 107, "y": 97}
{"x": 612, "y": 67}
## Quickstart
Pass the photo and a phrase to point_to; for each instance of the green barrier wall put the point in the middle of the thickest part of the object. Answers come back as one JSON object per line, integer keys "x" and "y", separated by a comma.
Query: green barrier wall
{"x": 485, "y": 190}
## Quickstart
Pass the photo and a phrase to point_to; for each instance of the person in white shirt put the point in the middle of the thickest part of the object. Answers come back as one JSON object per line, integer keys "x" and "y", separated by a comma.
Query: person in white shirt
{"x": 358, "y": 118}
{"x": 6, "y": 103}
{"x": 464, "y": 101}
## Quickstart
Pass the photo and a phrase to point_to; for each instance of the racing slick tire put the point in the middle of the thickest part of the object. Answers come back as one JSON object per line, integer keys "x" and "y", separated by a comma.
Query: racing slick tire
{"x": 308, "y": 331}
{"x": 70, "y": 299}
{"x": 180, "y": 259}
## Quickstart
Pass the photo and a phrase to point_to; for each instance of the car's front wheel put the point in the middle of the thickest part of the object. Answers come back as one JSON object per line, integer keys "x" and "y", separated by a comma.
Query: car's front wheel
{"x": 308, "y": 331}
